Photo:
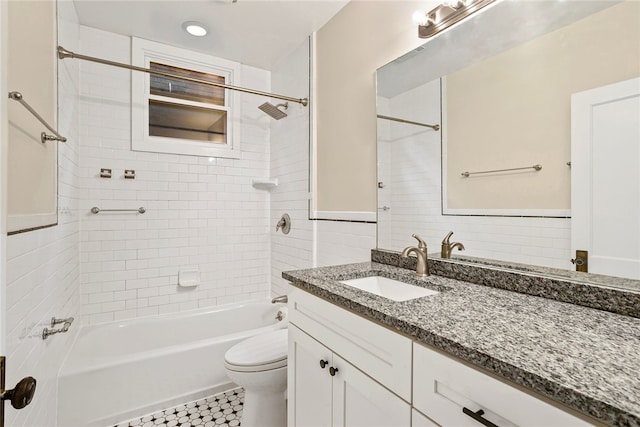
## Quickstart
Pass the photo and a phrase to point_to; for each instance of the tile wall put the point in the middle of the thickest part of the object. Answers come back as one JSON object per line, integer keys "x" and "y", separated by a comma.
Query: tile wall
{"x": 43, "y": 266}
{"x": 202, "y": 212}
{"x": 310, "y": 243}
{"x": 290, "y": 165}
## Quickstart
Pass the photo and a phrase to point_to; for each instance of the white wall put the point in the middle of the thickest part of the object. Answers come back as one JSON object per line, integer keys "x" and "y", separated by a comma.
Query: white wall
{"x": 201, "y": 212}
{"x": 43, "y": 266}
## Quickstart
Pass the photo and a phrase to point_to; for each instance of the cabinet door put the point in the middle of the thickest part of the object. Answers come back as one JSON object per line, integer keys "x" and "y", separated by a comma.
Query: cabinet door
{"x": 309, "y": 385}
{"x": 419, "y": 420}
{"x": 360, "y": 401}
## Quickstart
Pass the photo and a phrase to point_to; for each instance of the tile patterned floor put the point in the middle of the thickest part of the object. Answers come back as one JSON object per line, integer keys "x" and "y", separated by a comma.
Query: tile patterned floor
{"x": 221, "y": 410}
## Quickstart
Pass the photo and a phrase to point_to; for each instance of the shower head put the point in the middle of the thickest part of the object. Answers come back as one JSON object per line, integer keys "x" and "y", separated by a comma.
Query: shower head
{"x": 274, "y": 110}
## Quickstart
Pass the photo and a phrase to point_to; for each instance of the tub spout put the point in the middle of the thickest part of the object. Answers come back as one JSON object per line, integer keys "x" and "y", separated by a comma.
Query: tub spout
{"x": 282, "y": 298}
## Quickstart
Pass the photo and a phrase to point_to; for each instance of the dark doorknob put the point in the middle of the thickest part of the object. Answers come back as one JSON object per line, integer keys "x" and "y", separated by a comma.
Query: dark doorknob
{"x": 332, "y": 371}
{"x": 22, "y": 394}
{"x": 323, "y": 363}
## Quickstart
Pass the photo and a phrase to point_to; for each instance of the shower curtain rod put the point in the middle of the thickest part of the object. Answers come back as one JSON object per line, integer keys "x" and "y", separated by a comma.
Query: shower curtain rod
{"x": 64, "y": 53}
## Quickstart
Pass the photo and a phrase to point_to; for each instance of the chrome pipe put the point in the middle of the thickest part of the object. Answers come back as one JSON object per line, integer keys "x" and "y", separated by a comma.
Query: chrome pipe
{"x": 64, "y": 53}
{"x": 17, "y": 96}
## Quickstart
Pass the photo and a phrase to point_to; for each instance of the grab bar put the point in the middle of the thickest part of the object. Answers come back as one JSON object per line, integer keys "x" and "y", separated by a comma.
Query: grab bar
{"x": 17, "y": 96}
{"x": 536, "y": 167}
{"x": 97, "y": 210}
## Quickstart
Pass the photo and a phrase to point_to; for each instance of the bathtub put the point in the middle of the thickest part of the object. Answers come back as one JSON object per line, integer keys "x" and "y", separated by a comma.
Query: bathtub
{"x": 120, "y": 370}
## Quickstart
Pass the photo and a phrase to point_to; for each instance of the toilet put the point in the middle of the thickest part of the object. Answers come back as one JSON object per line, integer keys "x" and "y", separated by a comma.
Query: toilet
{"x": 259, "y": 365}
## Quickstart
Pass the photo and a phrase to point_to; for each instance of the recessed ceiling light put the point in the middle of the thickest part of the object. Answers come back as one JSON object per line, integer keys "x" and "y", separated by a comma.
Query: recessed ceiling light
{"x": 195, "y": 28}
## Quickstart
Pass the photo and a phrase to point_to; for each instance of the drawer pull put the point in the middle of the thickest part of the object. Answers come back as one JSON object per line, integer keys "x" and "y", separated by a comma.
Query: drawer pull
{"x": 478, "y": 416}
{"x": 333, "y": 371}
{"x": 323, "y": 363}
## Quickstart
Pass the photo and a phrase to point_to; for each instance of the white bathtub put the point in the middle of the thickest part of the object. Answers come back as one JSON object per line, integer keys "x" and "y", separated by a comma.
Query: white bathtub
{"x": 116, "y": 371}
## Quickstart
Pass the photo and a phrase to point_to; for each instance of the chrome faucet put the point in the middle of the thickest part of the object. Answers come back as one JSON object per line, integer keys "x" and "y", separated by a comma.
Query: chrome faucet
{"x": 447, "y": 247}
{"x": 422, "y": 268}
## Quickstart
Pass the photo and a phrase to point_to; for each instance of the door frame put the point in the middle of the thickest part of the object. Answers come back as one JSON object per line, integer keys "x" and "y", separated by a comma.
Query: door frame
{"x": 3, "y": 170}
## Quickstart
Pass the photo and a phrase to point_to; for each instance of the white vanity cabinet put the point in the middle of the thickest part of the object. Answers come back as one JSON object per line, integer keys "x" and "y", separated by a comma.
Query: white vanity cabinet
{"x": 452, "y": 393}
{"x": 366, "y": 368}
{"x": 339, "y": 394}
{"x": 346, "y": 371}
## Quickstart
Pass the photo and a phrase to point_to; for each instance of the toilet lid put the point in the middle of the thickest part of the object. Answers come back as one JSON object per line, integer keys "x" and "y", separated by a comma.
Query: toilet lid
{"x": 261, "y": 352}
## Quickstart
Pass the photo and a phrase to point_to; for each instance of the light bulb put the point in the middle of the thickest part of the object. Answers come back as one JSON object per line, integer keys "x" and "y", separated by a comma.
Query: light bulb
{"x": 453, "y": 4}
{"x": 194, "y": 28}
{"x": 420, "y": 17}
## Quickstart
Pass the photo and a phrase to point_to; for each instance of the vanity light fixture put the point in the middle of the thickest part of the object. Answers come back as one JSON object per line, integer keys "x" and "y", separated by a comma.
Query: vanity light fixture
{"x": 194, "y": 28}
{"x": 445, "y": 15}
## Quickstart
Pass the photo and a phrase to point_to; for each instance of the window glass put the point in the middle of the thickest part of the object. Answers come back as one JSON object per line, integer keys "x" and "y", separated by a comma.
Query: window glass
{"x": 187, "y": 122}
{"x": 176, "y": 88}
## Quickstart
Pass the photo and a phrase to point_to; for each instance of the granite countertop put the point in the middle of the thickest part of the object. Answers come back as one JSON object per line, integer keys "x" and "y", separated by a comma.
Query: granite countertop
{"x": 584, "y": 358}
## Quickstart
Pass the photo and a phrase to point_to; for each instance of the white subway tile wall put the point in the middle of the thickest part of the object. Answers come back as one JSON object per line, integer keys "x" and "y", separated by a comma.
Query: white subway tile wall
{"x": 410, "y": 168}
{"x": 290, "y": 164}
{"x": 342, "y": 242}
{"x": 310, "y": 243}
{"x": 201, "y": 212}
{"x": 43, "y": 266}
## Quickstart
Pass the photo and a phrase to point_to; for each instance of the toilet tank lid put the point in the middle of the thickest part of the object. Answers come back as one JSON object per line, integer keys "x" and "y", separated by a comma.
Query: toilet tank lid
{"x": 260, "y": 349}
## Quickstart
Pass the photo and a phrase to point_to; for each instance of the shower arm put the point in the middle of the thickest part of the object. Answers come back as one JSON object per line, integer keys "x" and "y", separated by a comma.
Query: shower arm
{"x": 64, "y": 53}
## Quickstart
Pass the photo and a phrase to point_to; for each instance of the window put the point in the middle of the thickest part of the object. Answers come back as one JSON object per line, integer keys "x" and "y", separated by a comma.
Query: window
{"x": 171, "y": 115}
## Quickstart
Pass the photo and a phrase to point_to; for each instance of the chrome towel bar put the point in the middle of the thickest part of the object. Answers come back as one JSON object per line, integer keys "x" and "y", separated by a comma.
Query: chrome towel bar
{"x": 96, "y": 210}
{"x": 409, "y": 122}
{"x": 17, "y": 96}
{"x": 536, "y": 167}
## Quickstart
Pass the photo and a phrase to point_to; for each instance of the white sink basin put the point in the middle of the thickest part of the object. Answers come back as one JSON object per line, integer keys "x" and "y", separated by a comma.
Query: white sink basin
{"x": 389, "y": 288}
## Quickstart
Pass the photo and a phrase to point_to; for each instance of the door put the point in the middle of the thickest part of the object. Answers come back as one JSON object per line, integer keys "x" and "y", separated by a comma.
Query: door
{"x": 309, "y": 382}
{"x": 605, "y": 177}
{"x": 359, "y": 401}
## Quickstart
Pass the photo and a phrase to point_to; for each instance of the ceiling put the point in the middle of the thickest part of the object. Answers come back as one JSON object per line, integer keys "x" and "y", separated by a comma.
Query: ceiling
{"x": 252, "y": 32}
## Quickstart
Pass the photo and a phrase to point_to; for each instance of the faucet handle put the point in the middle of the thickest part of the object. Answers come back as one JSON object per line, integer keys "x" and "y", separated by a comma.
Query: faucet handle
{"x": 421, "y": 243}
{"x": 446, "y": 238}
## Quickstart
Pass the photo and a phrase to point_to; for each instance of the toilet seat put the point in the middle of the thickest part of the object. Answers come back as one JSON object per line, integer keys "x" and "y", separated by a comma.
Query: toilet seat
{"x": 262, "y": 352}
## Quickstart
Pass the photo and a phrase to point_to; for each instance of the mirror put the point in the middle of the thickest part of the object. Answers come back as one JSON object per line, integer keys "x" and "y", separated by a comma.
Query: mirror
{"x": 32, "y": 165}
{"x": 518, "y": 216}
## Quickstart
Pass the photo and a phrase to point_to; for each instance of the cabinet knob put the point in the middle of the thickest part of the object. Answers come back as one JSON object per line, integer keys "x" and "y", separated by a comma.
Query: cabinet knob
{"x": 332, "y": 371}
{"x": 323, "y": 363}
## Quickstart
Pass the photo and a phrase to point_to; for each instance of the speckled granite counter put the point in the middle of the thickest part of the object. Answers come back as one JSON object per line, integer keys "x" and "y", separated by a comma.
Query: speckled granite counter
{"x": 586, "y": 359}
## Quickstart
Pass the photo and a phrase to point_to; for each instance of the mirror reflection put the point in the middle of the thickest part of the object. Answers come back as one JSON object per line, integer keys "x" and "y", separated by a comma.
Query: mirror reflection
{"x": 510, "y": 88}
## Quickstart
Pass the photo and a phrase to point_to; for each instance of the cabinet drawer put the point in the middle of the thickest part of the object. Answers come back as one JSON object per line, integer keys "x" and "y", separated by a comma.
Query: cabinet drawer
{"x": 381, "y": 353}
{"x": 442, "y": 387}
